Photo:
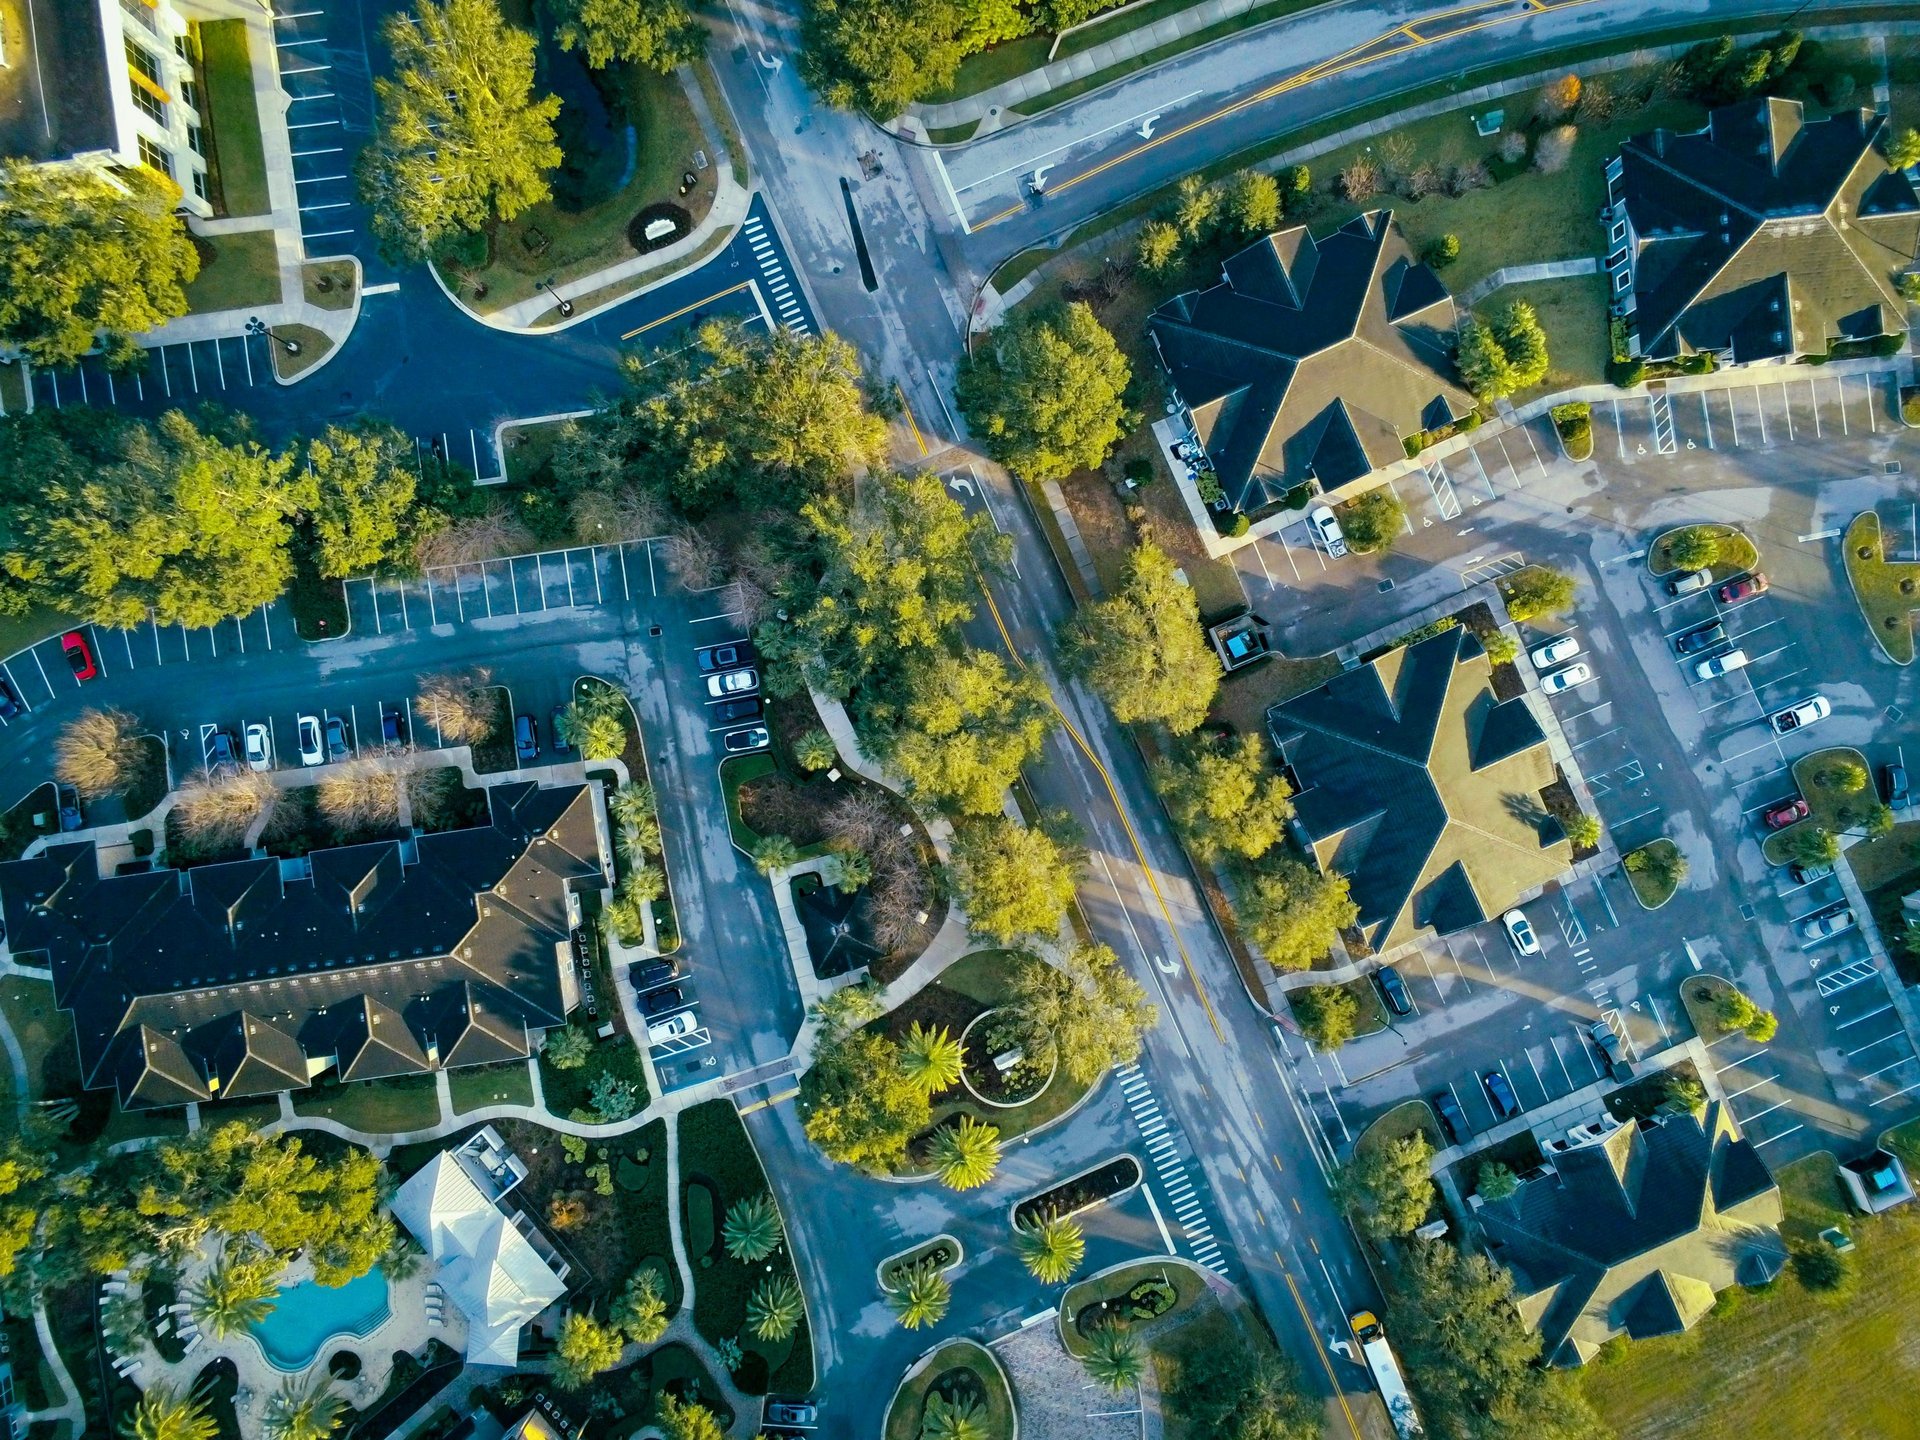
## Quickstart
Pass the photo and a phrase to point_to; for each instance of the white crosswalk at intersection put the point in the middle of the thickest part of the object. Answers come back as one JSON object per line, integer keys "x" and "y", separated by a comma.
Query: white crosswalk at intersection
{"x": 779, "y": 290}
{"x": 1171, "y": 1171}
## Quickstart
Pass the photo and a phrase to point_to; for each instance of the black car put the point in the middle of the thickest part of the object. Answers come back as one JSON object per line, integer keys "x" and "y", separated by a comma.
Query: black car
{"x": 1452, "y": 1119}
{"x": 393, "y": 726}
{"x": 658, "y": 1002}
{"x": 714, "y": 658}
{"x": 1393, "y": 990}
{"x": 653, "y": 974}
{"x": 1893, "y": 784}
{"x": 733, "y": 712}
{"x": 562, "y": 745}
{"x": 1500, "y": 1095}
{"x": 9, "y": 702}
{"x": 1704, "y": 638}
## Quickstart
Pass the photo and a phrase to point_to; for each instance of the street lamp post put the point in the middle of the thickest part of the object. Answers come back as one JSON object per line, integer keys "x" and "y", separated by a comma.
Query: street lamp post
{"x": 566, "y": 305}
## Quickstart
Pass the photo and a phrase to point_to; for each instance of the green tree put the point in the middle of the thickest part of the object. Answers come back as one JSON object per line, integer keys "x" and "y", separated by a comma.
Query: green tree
{"x": 595, "y": 720}
{"x": 1373, "y": 521}
{"x": 1012, "y": 880}
{"x": 1228, "y": 1392}
{"x": 775, "y": 1309}
{"x": 1196, "y": 205}
{"x": 1442, "y": 252}
{"x": 965, "y": 1154}
{"x": 860, "y": 1107}
{"x": 162, "y": 1413}
{"x": 1810, "y": 845}
{"x": 879, "y": 55}
{"x": 584, "y": 1348}
{"x": 931, "y": 1057}
{"x": 1158, "y": 248}
{"x": 568, "y": 1048}
{"x": 641, "y": 1311}
{"x": 1501, "y": 647}
{"x": 1694, "y": 548}
{"x": 88, "y": 259}
{"x": 1903, "y": 150}
{"x": 1143, "y": 648}
{"x": 1684, "y": 1090}
{"x": 1525, "y": 343}
{"x": 1293, "y": 912}
{"x": 1496, "y": 1181}
{"x": 1388, "y": 1189}
{"x": 612, "y": 1098}
{"x": 1114, "y": 1358}
{"x": 1091, "y": 1009}
{"x": 752, "y": 1231}
{"x": 1252, "y": 202}
{"x": 1583, "y": 831}
{"x": 1046, "y": 393}
{"x": 462, "y": 139}
{"x": 656, "y": 34}
{"x": 959, "y": 1418}
{"x": 236, "y": 1292}
{"x": 688, "y": 1420}
{"x": 969, "y": 723}
{"x": 304, "y": 1408}
{"x": 853, "y": 868}
{"x": 1843, "y": 774}
{"x": 1051, "y": 1248}
{"x": 1482, "y": 361}
{"x": 1537, "y": 592}
{"x": 775, "y": 852}
{"x": 815, "y": 750}
{"x": 922, "y": 1297}
{"x": 1663, "y": 864}
{"x": 363, "y": 483}
{"x": 1735, "y": 1011}
{"x": 1328, "y": 1014}
{"x": 1225, "y": 798}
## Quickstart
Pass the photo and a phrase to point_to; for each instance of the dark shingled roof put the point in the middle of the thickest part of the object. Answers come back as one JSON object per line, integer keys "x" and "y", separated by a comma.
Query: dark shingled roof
{"x": 383, "y": 959}
{"x": 1766, "y": 235}
{"x": 1312, "y": 358}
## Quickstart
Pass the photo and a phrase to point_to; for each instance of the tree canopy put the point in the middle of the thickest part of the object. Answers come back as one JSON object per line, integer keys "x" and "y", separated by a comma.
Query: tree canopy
{"x": 1508, "y": 355}
{"x": 1388, "y": 1189}
{"x": 1225, "y": 798}
{"x": 363, "y": 481}
{"x": 1229, "y": 1392}
{"x": 1293, "y": 912}
{"x": 969, "y": 723}
{"x": 1143, "y": 649}
{"x": 1092, "y": 1008}
{"x": 1013, "y": 880}
{"x": 1045, "y": 393}
{"x": 584, "y": 1349}
{"x": 861, "y": 1105}
{"x": 659, "y": 34}
{"x": 462, "y": 138}
{"x": 86, "y": 260}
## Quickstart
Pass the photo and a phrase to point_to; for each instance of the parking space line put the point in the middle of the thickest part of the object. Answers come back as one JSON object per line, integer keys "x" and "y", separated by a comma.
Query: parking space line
{"x": 1895, "y": 1095}
{"x": 1749, "y": 1060}
{"x": 1707, "y": 415}
{"x": 1768, "y": 1111}
{"x": 1868, "y": 1016}
{"x": 1840, "y": 387}
{"x": 1536, "y": 1074}
{"x": 1768, "y": 1080}
{"x": 1619, "y": 429}
{"x": 1884, "y": 1068}
{"x": 1733, "y": 417}
{"x": 1565, "y": 1074}
{"x": 1786, "y": 403}
{"x": 1781, "y": 1136}
{"x": 1760, "y": 409}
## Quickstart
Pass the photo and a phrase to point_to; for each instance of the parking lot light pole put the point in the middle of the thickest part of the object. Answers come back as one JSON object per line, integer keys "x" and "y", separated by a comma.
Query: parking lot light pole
{"x": 286, "y": 342}
{"x": 566, "y": 305}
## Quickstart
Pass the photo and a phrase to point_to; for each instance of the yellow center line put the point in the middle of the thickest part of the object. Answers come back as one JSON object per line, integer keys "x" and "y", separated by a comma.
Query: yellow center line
{"x": 717, "y": 295}
{"x": 780, "y": 1099}
{"x": 912, "y": 424}
{"x": 1319, "y": 1349}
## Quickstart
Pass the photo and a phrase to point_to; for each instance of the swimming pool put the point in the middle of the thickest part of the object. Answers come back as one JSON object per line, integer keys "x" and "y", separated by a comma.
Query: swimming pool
{"x": 307, "y": 1316}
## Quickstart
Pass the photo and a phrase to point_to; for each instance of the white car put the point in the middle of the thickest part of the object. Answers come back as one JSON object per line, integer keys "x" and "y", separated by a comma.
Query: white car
{"x": 1327, "y": 530}
{"x": 1546, "y": 656}
{"x": 1691, "y": 581}
{"x": 1565, "y": 679}
{"x": 1798, "y": 717}
{"x": 1725, "y": 664}
{"x": 313, "y": 750}
{"x": 671, "y": 1028}
{"x": 1520, "y": 932}
{"x": 1822, "y": 927}
{"x": 733, "y": 682}
{"x": 259, "y": 746}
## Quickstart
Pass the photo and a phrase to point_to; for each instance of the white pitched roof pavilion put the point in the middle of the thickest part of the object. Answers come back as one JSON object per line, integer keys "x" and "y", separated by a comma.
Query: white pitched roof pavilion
{"x": 487, "y": 1266}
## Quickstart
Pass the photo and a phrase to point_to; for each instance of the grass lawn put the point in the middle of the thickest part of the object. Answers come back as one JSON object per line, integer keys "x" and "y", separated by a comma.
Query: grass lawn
{"x": 1653, "y": 891}
{"x": 977, "y": 1372}
{"x": 1573, "y": 312}
{"x": 338, "y": 278}
{"x": 1834, "y": 810}
{"x": 481, "y": 1085}
{"x": 994, "y": 66}
{"x": 1887, "y": 591}
{"x": 717, "y": 103}
{"x": 315, "y": 346}
{"x": 38, "y": 1027}
{"x": 1737, "y": 551}
{"x": 1188, "y": 1289}
{"x": 735, "y": 771}
{"x": 236, "y": 159}
{"x": 236, "y": 271}
{"x": 570, "y": 1090}
{"x": 1246, "y": 695}
{"x": 551, "y": 243}
{"x": 1780, "y": 1353}
{"x": 1411, "y": 1117}
{"x": 1888, "y": 867}
{"x": 381, "y": 1107}
{"x": 952, "y": 134}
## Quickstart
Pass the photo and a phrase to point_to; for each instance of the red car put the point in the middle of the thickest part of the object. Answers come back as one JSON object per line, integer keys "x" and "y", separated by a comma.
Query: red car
{"x": 1785, "y": 815}
{"x": 79, "y": 657}
{"x": 1745, "y": 588}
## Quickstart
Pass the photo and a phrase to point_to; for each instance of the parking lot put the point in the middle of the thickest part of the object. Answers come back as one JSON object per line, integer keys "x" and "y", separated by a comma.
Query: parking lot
{"x": 1812, "y": 405}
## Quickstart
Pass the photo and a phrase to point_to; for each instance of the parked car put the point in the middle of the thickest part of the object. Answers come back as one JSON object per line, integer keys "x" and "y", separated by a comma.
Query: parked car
{"x": 339, "y": 743}
{"x": 1690, "y": 583}
{"x": 219, "y": 750}
{"x": 307, "y": 731}
{"x": 1565, "y": 679}
{"x": 1798, "y": 717}
{"x": 1715, "y": 666}
{"x": 1745, "y": 588}
{"x": 733, "y": 682}
{"x": 784, "y": 1412}
{"x": 79, "y": 656}
{"x": 671, "y": 1028}
{"x": 658, "y": 1002}
{"x": 1607, "y": 1042}
{"x": 1826, "y": 924}
{"x": 1790, "y": 813}
{"x": 721, "y": 657}
{"x": 745, "y": 742}
{"x": 1500, "y": 1095}
{"x": 393, "y": 726}
{"x": 1893, "y": 785}
{"x": 1393, "y": 990}
{"x": 526, "y": 739}
{"x": 69, "y": 799}
{"x": 1807, "y": 874}
{"x": 732, "y": 712}
{"x": 1452, "y": 1118}
{"x": 9, "y": 702}
{"x": 1546, "y": 656}
{"x": 259, "y": 746}
{"x": 653, "y": 974}
{"x": 1702, "y": 637}
{"x": 1520, "y": 932}
{"x": 562, "y": 741}
{"x": 1327, "y": 530}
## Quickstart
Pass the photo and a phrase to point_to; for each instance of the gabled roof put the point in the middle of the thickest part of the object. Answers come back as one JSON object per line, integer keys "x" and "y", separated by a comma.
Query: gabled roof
{"x": 1312, "y": 358}
{"x": 1422, "y": 787}
{"x": 1767, "y": 235}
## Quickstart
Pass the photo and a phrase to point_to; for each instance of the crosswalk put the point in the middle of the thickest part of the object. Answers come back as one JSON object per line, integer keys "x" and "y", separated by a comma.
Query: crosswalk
{"x": 1171, "y": 1170}
{"x": 779, "y": 287}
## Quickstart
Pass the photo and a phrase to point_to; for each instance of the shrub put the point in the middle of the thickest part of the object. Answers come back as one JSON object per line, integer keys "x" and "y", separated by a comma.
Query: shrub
{"x": 1625, "y": 374}
{"x": 1537, "y": 591}
{"x": 1683, "y": 1089}
{"x": 1240, "y": 524}
{"x": 1327, "y": 1014}
{"x": 1574, "y": 423}
{"x": 1694, "y": 548}
{"x": 1373, "y": 521}
{"x": 1501, "y": 647}
{"x": 1555, "y": 149}
{"x": 1513, "y": 147}
{"x": 1496, "y": 1181}
{"x": 1820, "y": 1267}
{"x": 1442, "y": 252}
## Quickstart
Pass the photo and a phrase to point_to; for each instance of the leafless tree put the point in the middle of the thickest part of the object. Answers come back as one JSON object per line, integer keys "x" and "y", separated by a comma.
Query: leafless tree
{"x": 1468, "y": 176}
{"x": 1421, "y": 181}
{"x": 1396, "y": 157}
{"x": 360, "y": 795}
{"x": 695, "y": 560}
{"x": 474, "y": 538}
{"x": 1554, "y": 149}
{"x": 899, "y": 898}
{"x": 432, "y": 795}
{"x": 1513, "y": 146}
{"x": 609, "y": 516}
{"x": 1360, "y": 181}
{"x": 99, "y": 753}
{"x": 217, "y": 813}
{"x": 1557, "y": 99}
{"x": 865, "y": 821}
{"x": 462, "y": 706}
{"x": 1598, "y": 102}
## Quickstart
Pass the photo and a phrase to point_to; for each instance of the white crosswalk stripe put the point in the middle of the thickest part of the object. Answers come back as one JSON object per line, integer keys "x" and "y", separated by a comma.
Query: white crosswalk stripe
{"x": 1176, "y": 1184}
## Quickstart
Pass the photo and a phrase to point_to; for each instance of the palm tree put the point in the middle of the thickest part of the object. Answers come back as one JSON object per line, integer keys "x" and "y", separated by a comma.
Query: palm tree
{"x": 774, "y": 1310}
{"x": 923, "y": 1296}
{"x": 815, "y": 750}
{"x": 966, "y": 1154}
{"x": 775, "y": 852}
{"x": 162, "y": 1414}
{"x": 631, "y": 804}
{"x": 236, "y": 1293}
{"x": 304, "y": 1409}
{"x": 931, "y": 1058}
{"x": 1114, "y": 1358}
{"x": 958, "y": 1419}
{"x": 1051, "y": 1249}
{"x": 641, "y": 1310}
{"x": 402, "y": 1260}
{"x": 752, "y": 1231}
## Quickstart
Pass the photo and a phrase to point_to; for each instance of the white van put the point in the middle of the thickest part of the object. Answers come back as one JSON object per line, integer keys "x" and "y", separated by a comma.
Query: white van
{"x": 1721, "y": 664}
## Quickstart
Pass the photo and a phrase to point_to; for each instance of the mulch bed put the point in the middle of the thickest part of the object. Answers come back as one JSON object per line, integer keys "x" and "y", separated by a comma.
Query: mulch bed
{"x": 1560, "y": 803}
{"x": 777, "y": 804}
{"x": 1082, "y": 1190}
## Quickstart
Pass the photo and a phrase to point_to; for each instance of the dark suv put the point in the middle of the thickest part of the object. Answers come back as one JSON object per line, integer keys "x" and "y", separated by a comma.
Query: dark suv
{"x": 732, "y": 712}
{"x": 1452, "y": 1119}
{"x": 1705, "y": 638}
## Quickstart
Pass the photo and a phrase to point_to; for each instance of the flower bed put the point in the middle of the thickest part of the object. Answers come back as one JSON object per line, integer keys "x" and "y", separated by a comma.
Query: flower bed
{"x": 1737, "y": 552}
{"x": 942, "y": 1252}
{"x": 1085, "y": 1190}
{"x": 998, "y": 1032}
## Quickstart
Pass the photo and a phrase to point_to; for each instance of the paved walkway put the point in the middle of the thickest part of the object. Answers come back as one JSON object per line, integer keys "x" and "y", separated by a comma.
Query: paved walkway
{"x": 1522, "y": 274}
